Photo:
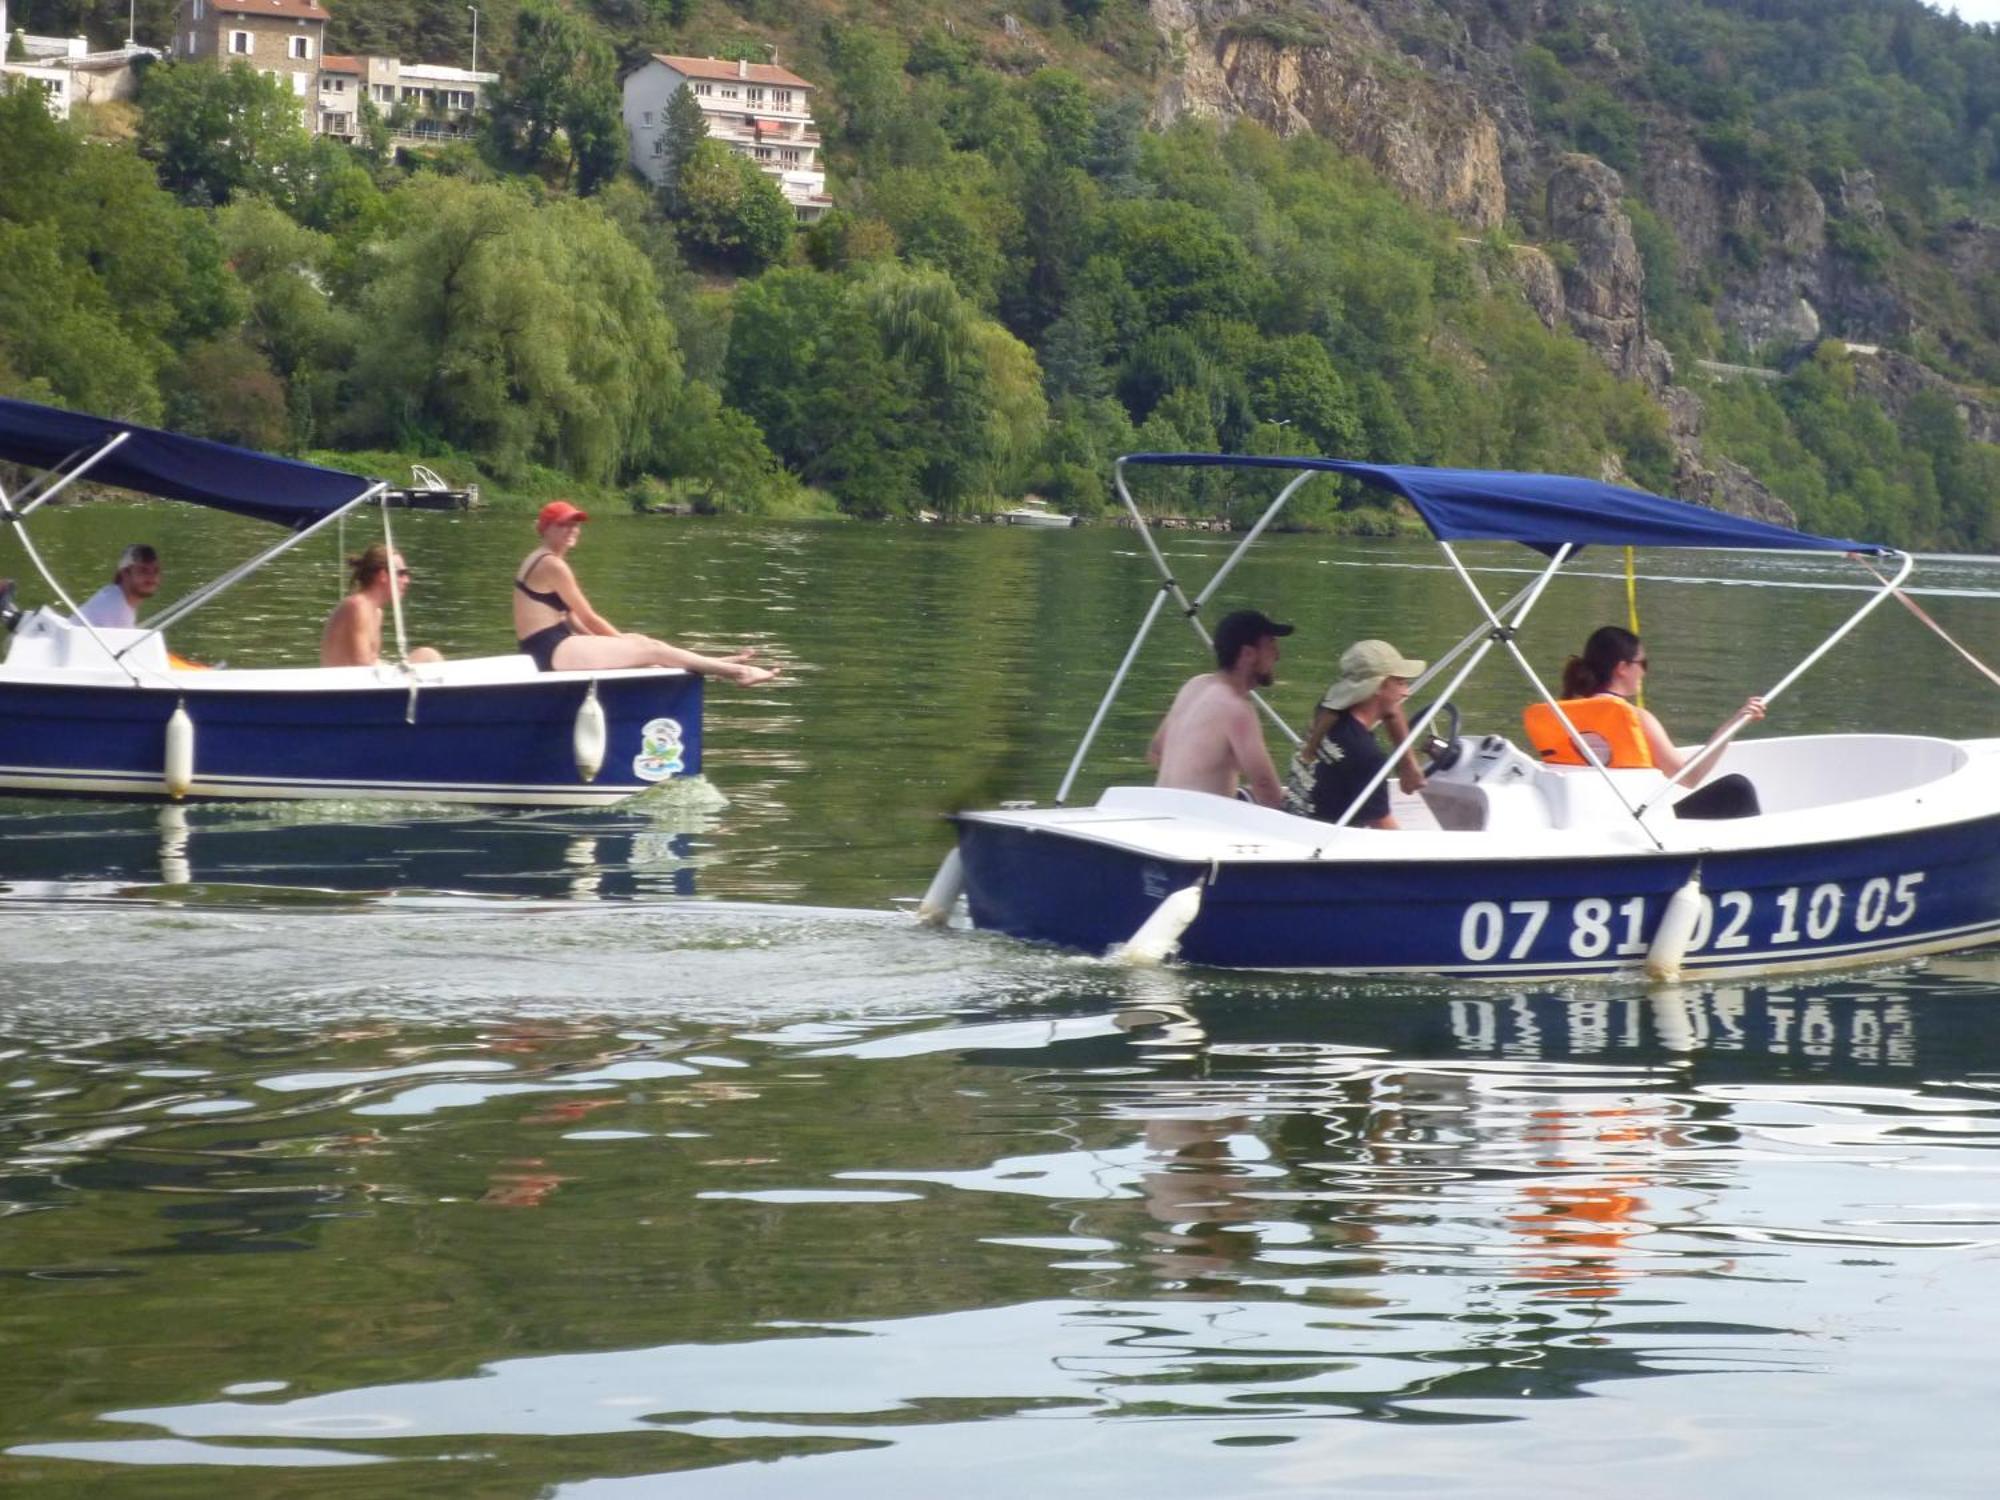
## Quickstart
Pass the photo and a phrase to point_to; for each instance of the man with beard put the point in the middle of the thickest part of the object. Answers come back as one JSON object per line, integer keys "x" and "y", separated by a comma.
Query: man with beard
{"x": 116, "y": 605}
{"x": 1211, "y": 737}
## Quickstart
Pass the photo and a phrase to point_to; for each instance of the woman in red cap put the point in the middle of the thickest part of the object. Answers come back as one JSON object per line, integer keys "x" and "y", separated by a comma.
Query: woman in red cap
{"x": 554, "y": 623}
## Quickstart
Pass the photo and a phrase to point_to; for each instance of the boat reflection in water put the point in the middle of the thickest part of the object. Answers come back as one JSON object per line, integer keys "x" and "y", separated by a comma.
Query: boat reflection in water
{"x": 641, "y": 851}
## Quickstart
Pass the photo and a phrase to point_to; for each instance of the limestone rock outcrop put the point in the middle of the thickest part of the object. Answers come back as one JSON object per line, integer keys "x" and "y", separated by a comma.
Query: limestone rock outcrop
{"x": 1604, "y": 287}
{"x": 1334, "y": 73}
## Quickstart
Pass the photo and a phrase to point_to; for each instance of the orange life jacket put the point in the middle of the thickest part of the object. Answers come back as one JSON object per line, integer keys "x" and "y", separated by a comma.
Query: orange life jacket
{"x": 1612, "y": 724}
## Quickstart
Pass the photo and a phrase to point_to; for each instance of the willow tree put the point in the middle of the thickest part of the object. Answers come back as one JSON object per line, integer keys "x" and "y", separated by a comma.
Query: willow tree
{"x": 524, "y": 331}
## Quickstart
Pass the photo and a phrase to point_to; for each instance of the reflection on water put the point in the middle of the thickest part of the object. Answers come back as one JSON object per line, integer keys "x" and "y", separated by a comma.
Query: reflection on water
{"x": 433, "y": 1149}
{"x": 1174, "y": 1221}
{"x": 645, "y": 849}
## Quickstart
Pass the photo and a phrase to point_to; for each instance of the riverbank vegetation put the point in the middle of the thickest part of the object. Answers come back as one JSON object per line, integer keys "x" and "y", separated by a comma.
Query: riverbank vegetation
{"x": 1020, "y": 281}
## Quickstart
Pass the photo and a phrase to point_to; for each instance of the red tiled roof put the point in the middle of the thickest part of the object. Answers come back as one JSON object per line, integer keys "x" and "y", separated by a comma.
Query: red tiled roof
{"x": 329, "y": 63}
{"x": 289, "y": 10}
{"x": 720, "y": 68}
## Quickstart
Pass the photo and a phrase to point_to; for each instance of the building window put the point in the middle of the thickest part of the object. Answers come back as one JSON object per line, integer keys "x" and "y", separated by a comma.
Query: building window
{"x": 753, "y": 96}
{"x": 789, "y": 158}
{"x": 703, "y": 90}
{"x": 647, "y": 118}
{"x": 337, "y": 85}
{"x": 782, "y": 98}
{"x": 659, "y": 145}
{"x": 197, "y": 9}
{"x": 300, "y": 83}
{"x": 302, "y": 47}
{"x": 729, "y": 93}
{"x": 239, "y": 43}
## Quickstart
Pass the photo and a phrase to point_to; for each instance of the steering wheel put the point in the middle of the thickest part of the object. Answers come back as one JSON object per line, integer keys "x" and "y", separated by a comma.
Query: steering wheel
{"x": 1442, "y": 749}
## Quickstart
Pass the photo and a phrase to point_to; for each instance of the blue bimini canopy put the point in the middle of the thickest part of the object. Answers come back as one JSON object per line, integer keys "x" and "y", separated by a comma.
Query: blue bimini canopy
{"x": 281, "y": 490}
{"x": 1543, "y": 511}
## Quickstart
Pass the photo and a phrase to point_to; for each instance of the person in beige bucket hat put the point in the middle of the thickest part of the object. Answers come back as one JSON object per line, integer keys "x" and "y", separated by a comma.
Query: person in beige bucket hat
{"x": 1341, "y": 752}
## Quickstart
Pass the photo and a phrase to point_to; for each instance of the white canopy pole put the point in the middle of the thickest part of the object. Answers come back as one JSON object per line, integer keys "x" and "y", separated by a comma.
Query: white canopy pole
{"x": 1498, "y": 631}
{"x": 1737, "y": 720}
{"x": 1104, "y": 705}
{"x": 395, "y": 588}
{"x": 69, "y": 475}
{"x": 1170, "y": 587}
{"x": 14, "y": 517}
{"x": 236, "y": 575}
{"x": 1638, "y": 813}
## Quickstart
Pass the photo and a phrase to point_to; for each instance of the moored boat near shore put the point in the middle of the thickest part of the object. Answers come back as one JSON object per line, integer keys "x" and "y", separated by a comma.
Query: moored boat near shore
{"x": 1033, "y": 512}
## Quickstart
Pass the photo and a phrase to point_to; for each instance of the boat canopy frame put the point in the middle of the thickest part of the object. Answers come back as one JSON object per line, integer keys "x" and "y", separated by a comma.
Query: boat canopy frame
{"x": 1558, "y": 515}
{"x": 67, "y": 446}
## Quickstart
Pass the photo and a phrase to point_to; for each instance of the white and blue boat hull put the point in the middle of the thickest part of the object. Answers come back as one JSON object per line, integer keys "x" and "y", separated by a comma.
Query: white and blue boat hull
{"x": 1914, "y": 869}
{"x": 491, "y": 731}
{"x": 1777, "y": 909}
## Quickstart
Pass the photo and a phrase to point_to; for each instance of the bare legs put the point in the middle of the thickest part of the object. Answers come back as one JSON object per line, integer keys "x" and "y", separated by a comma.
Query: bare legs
{"x": 595, "y": 653}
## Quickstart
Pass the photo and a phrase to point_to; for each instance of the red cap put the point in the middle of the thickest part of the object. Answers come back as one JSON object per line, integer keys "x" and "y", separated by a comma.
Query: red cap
{"x": 559, "y": 513}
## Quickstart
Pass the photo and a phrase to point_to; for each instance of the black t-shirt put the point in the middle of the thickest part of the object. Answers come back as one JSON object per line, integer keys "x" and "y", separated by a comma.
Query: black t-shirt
{"x": 1349, "y": 756}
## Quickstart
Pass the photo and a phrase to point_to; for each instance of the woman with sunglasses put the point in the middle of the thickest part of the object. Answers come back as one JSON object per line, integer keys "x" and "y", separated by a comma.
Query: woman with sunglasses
{"x": 353, "y": 634}
{"x": 1598, "y": 688}
{"x": 554, "y": 623}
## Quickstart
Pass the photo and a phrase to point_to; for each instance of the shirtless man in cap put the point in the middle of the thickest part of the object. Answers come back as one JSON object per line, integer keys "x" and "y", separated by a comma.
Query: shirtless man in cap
{"x": 1210, "y": 737}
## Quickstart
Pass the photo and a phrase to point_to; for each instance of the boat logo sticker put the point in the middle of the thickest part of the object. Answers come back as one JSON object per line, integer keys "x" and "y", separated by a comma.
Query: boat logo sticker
{"x": 659, "y": 750}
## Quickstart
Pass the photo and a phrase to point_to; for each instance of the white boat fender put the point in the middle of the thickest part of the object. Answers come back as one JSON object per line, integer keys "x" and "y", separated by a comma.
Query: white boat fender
{"x": 946, "y": 887}
{"x": 588, "y": 738}
{"x": 178, "y": 770}
{"x": 1160, "y": 934}
{"x": 1676, "y": 929}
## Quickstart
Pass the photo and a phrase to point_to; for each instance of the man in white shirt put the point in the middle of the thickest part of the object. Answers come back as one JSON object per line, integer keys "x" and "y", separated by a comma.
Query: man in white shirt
{"x": 116, "y": 605}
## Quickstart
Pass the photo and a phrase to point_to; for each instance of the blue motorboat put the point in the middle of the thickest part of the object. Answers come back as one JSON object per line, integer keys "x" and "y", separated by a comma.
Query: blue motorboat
{"x": 1862, "y": 847}
{"x": 90, "y": 711}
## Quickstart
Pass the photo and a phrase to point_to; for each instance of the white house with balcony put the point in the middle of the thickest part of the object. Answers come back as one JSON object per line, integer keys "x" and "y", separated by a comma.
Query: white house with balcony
{"x": 67, "y": 71}
{"x": 439, "y": 102}
{"x": 759, "y": 110}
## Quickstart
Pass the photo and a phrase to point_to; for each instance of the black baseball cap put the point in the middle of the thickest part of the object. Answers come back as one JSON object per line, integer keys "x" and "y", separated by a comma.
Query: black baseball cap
{"x": 1244, "y": 627}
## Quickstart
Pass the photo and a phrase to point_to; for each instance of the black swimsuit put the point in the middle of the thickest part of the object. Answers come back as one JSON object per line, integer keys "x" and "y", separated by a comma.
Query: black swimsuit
{"x": 541, "y": 646}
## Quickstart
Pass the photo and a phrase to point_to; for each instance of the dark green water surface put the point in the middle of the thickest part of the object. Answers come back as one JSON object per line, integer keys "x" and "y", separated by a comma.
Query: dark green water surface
{"x": 366, "y": 1150}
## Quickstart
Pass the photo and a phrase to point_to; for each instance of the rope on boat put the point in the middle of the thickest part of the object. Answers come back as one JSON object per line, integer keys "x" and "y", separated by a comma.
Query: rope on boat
{"x": 1632, "y": 609}
{"x": 1919, "y": 611}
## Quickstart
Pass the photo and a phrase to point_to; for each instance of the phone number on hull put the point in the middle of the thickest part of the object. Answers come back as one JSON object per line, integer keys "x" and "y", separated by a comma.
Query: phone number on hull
{"x": 1605, "y": 926}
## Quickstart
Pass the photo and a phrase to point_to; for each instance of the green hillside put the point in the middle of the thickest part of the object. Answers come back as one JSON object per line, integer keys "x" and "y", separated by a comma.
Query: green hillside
{"x": 1039, "y": 259}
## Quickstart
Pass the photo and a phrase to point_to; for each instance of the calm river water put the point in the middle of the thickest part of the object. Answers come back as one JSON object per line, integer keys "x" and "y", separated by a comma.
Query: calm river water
{"x": 364, "y": 1150}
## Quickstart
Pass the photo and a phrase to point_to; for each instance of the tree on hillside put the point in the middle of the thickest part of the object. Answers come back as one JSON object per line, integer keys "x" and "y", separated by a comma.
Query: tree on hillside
{"x": 103, "y": 276}
{"x": 731, "y": 212}
{"x": 885, "y": 387}
{"x": 559, "y": 61}
{"x": 531, "y": 333}
{"x": 684, "y": 128}
{"x": 594, "y": 125}
{"x": 212, "y": 133}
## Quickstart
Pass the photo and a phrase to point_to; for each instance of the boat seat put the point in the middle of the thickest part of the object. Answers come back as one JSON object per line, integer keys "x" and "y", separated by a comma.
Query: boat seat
{"x": 46, "y": 641}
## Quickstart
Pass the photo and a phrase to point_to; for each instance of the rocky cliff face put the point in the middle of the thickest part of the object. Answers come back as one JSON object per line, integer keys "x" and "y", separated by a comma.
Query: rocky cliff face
{"x": 1604, "y": 288}
{"x": 1425, "y": 90}
{"x": 1332, "y": 71}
